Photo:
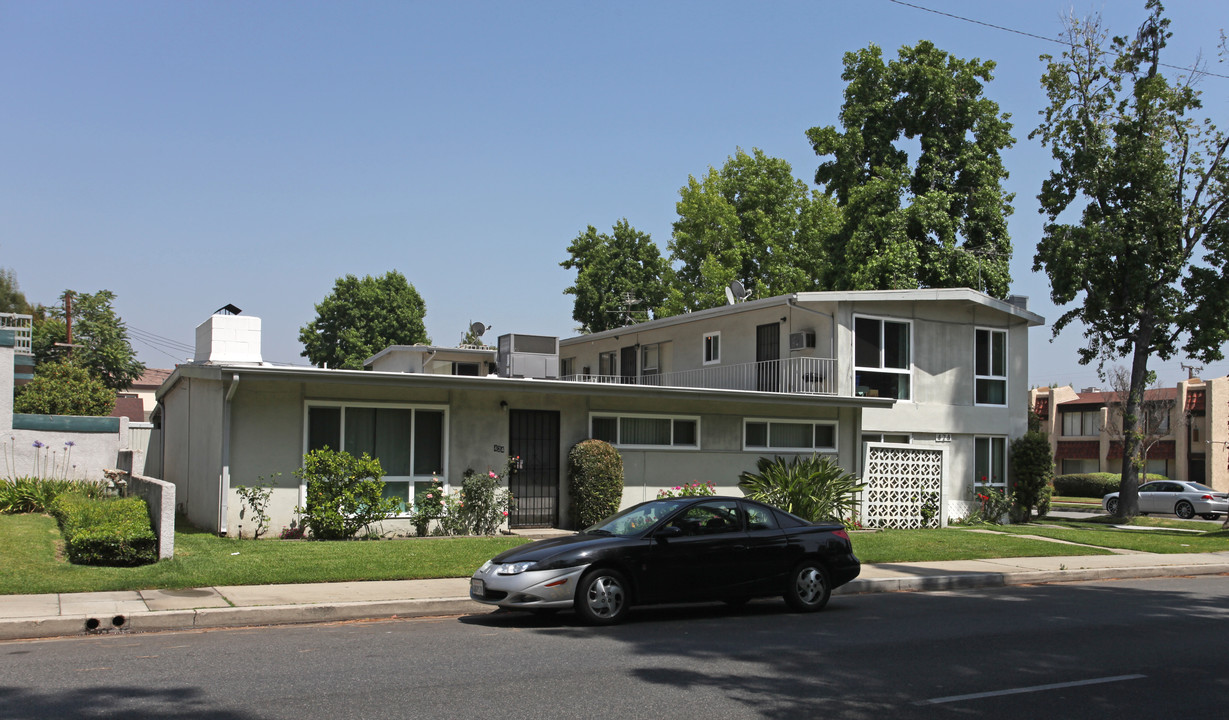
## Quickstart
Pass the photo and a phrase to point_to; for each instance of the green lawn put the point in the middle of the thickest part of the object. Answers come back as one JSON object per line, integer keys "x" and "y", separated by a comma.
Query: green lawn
{"x": 892, "y": 546}
{"x": 1167, "y": 538}
{"x": 30, "y": 565}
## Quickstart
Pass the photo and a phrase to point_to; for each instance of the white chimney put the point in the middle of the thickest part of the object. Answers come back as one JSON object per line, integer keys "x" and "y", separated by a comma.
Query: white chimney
{"x": 228, "y": 339}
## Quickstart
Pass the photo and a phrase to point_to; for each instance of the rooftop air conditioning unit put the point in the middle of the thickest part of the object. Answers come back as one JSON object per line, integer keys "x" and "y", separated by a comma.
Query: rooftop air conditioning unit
{"x": 802, "y": 339}
{"x": 528, "y": 356}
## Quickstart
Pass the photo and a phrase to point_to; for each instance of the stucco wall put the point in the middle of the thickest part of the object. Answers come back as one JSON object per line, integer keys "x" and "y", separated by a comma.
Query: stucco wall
{"x": 85, "y": 459}
{"x": 192, "y": 430}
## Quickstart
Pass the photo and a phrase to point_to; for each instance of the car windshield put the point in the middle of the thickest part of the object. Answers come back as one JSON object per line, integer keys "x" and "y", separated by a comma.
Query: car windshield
{"x": 634, "y": 520}
{"x": 1200, "y": 487}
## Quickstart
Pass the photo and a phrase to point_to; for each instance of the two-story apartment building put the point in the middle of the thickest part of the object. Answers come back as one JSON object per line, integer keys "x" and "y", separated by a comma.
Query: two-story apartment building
{"x": 1188, "y": 430}
{"x": 699, "y": 396}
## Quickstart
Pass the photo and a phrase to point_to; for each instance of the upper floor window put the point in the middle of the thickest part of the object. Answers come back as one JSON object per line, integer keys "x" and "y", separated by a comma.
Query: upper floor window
{"x": 990, "y": 367}
{"x": 646, "y": 431}
{"x": 567, "y": 367}
{"x": 882, "y": 357}
{"x": 1079, "y": 423}
{"x": 606, "y": 366}
{"x": 789, "y": 435}
{"x": 650, "y": 358}
{"x": 712, "y": 348}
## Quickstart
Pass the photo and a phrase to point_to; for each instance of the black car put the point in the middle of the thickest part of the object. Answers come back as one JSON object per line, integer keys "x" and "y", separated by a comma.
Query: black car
{"x": 673, "y": 550}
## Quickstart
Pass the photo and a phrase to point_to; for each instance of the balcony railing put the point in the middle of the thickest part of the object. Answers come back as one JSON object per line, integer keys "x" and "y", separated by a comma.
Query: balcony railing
{"x": 804, "y": 376}
{"x": 23, "y": 324}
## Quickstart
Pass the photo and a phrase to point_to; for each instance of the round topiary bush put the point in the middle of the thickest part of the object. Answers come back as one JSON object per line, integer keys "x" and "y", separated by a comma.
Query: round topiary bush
{"x": 595, "y": 481}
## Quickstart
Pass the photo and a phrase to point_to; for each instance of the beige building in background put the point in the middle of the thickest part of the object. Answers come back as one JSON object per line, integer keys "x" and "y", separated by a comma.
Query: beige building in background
{"x": 1082, "y": 427}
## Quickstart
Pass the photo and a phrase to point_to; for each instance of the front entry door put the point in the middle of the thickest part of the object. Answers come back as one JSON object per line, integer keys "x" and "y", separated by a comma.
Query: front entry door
{"x": 768, "y": 357}
{"x": 533, "y": 436}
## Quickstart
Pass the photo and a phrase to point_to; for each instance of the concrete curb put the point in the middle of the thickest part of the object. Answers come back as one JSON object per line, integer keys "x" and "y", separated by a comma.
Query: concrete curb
{"x": 207, "y": 618}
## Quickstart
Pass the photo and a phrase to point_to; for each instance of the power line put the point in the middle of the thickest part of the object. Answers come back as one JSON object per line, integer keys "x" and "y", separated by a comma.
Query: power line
{"x": 1034, "y": 35}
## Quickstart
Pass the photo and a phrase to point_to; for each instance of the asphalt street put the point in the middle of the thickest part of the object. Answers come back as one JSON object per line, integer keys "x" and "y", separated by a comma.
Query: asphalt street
{"x": 1114, "y": 649}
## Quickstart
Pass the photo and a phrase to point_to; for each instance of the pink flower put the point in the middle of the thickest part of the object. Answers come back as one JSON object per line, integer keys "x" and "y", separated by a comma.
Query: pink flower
{"x": 493, "y": 475}
{"x": 505, "y": 513}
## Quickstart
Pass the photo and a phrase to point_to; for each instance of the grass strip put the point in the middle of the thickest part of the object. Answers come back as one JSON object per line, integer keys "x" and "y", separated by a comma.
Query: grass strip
{"x": 1168, "y": 538}
{"x": 894, "y": 546}
{"x": 29, "y": 545}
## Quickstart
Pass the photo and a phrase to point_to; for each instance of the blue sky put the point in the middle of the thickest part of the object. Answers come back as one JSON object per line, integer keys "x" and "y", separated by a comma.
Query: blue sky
{"x": 188, "y": 155}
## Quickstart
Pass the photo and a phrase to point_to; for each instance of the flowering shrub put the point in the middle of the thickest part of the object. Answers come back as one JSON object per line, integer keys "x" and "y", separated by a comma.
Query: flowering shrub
{"x": 478, "y": 508}
{"x": 344, "y": 493}
{"x": 993, "y": 502}
{"x": 695, "y": 489}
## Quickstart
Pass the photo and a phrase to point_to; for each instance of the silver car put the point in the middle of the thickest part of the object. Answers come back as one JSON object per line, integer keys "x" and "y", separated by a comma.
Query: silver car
{"x": 1184, "y": 499}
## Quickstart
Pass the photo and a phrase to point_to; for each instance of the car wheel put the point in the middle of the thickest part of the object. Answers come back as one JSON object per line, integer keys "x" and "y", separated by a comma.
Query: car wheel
{"x": 602, "y": 597}
{"x": 1184, "y": 510}
{"x": 809, "y": 588}
{"x": 1111, "y": 506}
{"x": 1209, "y": 516}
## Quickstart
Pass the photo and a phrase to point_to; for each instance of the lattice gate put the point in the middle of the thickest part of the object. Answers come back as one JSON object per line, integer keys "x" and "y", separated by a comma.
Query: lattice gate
{"x": 904, "y": 486}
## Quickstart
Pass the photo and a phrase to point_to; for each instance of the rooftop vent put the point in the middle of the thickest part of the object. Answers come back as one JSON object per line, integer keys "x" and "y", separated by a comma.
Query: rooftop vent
{"x": 1020, "y": 301}
{"x": 528, "y": 356}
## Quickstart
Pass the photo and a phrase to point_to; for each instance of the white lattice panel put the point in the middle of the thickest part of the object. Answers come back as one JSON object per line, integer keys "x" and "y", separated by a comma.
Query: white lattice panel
{"x": 902, "y": 480}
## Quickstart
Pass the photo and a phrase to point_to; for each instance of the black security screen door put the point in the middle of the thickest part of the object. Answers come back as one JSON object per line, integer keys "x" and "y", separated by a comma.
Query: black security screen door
{"x": 533, "y": 436}
{"x": 767, "y": 357}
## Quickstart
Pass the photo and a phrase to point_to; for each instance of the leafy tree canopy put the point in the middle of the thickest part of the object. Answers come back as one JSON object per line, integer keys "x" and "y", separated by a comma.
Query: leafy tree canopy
{"x": 750, "y": 221}
{"x": 620, "y": 277}
{"x": 12, "y": 300}
{"x": 1147, "y": 260}
{"x": 362, "y": 317}
{"x": 100, "y": 339}
{"x": 64, "y": 388}
{"x": 940, "y": 221}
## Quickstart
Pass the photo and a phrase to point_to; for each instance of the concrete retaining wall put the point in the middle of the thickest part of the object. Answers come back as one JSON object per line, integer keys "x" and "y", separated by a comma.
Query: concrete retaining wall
{"x": 160, "y": 496}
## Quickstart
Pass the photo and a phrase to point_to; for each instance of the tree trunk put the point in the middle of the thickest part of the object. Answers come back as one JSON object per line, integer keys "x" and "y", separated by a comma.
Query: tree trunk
{"x": 1132, "y": 438}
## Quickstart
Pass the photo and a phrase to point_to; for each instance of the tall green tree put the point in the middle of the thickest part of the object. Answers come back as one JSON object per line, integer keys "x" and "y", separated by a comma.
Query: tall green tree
{"x": 12, "y": 300}
{"x": 1147, "y": 260}
{"x": 362, "y": 317}
{"x": 620, "y": 277}
{"x": 64, "y": 388}
{"x": 750, "y": 221}
{"x": 936, "y": 220}
{"x": 100, "y": 339}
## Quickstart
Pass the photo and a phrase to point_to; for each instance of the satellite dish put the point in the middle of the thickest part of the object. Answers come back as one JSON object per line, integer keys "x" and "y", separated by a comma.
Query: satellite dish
{"x": 736, "y": 293}
{"x": 477, "y": 329}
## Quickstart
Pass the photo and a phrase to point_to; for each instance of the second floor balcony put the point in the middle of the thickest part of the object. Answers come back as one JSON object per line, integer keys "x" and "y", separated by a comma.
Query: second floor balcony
{"x": 799, "y": 376}
{"x": 22, "y": 326}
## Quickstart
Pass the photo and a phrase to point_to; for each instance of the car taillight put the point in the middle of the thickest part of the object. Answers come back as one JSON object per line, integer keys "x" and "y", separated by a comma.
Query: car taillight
{"x": 1207, "y": 497}
{"x": 841, "y": 534}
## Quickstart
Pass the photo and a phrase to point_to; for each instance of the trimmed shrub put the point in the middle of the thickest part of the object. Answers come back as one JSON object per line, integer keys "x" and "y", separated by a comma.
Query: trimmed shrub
{"x": 595, "y": 481}
{"x": 814, "y": 487}
{"x": 1032, "y": 466}
{"x": 105, "y": 531}
{"x": 344, "y": 494}
{"x": 1093, "y": 485}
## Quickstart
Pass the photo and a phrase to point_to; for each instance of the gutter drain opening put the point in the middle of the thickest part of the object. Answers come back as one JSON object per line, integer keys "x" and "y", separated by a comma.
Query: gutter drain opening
{"x": 92, "y": 624}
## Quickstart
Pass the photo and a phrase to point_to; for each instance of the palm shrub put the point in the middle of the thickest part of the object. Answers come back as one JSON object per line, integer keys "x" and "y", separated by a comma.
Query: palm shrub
{"x": 814, "y": 487}
{"x": 344, "y": 494}
{"x": 1032, "y": 468}
{"x": 595, "y": 481}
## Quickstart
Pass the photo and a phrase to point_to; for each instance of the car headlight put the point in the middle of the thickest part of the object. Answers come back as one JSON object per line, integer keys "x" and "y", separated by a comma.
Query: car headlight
{"x": 513, "y": 568}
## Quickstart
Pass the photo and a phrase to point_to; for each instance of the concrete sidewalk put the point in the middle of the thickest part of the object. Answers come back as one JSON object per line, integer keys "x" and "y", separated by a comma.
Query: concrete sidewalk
{"x": 67, "y": 614}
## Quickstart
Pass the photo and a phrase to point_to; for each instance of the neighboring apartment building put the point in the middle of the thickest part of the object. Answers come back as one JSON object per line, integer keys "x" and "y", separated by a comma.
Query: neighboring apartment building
{"x": 700, "y": 396}
{"x": 1189, "y": 428}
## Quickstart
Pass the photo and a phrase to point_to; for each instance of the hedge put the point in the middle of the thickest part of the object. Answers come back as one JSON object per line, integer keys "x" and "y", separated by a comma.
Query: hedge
{"x": 106, "y": 531}
{"x": 595, "y": 480}
{"x": 1092, "y": 485}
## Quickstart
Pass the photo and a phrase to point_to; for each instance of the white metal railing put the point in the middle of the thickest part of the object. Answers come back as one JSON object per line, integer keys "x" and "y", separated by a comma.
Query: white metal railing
{"x": 805, "y": 376}
{"x": 24, "y": 325}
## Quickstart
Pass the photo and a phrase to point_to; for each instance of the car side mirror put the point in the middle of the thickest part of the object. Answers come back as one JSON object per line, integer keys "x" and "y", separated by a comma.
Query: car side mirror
{"x": 670, "y": 531}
